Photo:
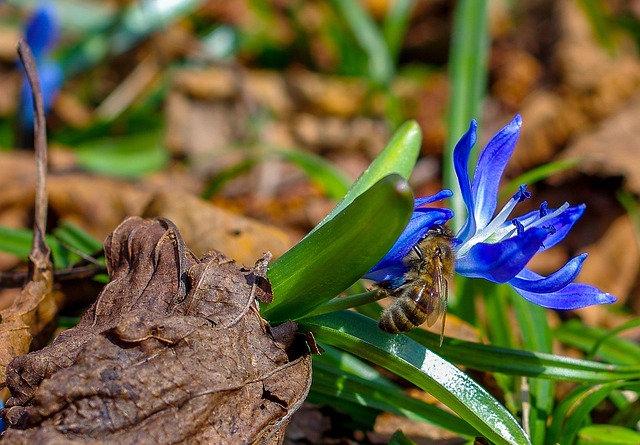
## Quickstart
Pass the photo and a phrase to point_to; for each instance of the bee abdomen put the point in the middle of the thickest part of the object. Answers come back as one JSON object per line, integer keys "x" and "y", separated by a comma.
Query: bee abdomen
{"x": 402, "y": 315}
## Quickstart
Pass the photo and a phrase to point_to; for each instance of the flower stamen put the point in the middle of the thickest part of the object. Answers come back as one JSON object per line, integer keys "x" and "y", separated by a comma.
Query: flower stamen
{"x": 493, "y": 227}
{"x": 519, "y": 226}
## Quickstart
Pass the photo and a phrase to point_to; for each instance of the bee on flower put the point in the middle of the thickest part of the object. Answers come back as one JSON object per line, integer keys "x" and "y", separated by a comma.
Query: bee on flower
{"x": 491, "y": 245}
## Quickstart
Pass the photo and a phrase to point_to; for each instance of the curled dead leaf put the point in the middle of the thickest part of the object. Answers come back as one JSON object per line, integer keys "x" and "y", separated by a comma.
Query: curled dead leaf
{"x": 172, "y": 351}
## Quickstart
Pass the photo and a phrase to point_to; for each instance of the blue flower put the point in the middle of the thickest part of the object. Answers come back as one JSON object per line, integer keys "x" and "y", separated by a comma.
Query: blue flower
{"x": 492, "y": 246}
{"x": 42, "y": 32}
{"x": 390, "y": 268}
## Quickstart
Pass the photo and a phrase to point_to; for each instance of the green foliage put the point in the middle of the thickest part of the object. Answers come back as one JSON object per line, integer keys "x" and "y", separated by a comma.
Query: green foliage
{"x": 520, "y": 358}
{"x": 399, "y": 354}
{"x": 340, "y": 251}
{"x": 69, "y": 244}
{"x": 468, "y": 68}
{"x": 362, "y": 227}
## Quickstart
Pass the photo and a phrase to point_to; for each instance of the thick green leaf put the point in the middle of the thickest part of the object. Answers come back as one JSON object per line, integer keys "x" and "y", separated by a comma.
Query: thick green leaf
{"x": 607, "y": 435}
{"x": 524, "y": 363}
{"x": 518, "y": 362}
{"x": 337, "y": 366}
{"x": 399, "y": 354}
{"x": 333, "y": 257}
{"x": 399, "y": 156}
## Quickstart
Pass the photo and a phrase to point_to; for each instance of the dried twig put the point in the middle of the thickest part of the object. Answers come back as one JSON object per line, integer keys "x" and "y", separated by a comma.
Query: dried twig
{"x": 40, "y": 252}
{"x": 33, "y": 311}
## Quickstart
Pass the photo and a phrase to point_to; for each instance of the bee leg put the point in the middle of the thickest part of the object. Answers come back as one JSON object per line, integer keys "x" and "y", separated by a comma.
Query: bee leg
{"x": 444, "y": 311}
{"x": 382, "y": 293}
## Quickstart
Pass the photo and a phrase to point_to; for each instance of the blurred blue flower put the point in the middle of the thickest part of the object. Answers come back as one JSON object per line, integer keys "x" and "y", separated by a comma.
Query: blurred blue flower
{"x": 42, "y": 32}
{"x": 3, "y": 426}
{"x": 491, "y": 246}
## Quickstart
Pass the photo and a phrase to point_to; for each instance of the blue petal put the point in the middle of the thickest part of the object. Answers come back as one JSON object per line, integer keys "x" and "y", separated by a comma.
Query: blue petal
{"x": 572, "y": 296}
{"x": 424, "y": 200}
{"x": 390, "y": 273}
{"x": 532, "y": 282}
{"x": 421, "y": 220}
{"x": 42, "y": 31}
{"x": 461, "y": 154}
{"x": 501, "y": 262}
{"x": 491, "y": 165}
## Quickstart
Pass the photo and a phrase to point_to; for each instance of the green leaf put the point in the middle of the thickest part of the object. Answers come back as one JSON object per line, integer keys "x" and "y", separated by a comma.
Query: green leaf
{"x": 575, "y": 409}
{"x": 468, "y": 62}
{"x": 18, "y": 242}
{"x": 632, "y": 207}
{"x": 369, "y": 37}
{"x": 536, "y": 336}
{"x": 395, "y": 26}
{"x": 607, "y": 435}
{"x": 399, "y": 156}
{"x": 585, "y": 338}
{"x": 75, "y": 237}
{"x": 398, "y": 438}
{"x": 334, "y": 382}
{"x": 323, "y": 173}
{"x": 521, "y": 363}
{"x": 333, "y": 257}
{"x": 349, "y": 364}
{"x": 127, "y": 156}
{"x": 399, "y": 354}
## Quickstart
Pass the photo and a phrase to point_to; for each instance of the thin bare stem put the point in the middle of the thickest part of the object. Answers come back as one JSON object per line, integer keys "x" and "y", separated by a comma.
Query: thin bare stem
{"x": 40, "y": 251}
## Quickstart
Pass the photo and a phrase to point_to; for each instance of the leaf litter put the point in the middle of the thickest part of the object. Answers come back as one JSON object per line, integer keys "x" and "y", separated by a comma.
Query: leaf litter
{"x": 172, "y": 351}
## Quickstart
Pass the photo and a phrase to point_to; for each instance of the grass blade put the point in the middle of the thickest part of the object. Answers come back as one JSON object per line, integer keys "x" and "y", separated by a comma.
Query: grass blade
{"x": 399, "y": 354}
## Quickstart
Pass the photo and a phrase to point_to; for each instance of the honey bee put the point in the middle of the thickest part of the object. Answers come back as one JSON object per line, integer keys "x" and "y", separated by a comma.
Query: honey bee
{"x": 422, "y": 296}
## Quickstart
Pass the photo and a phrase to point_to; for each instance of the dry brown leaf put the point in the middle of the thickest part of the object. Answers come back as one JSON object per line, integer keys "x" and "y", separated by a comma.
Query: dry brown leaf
{"x": 611, "y": 150}
{"x": 613, "y": 266}
{"x": 206, "y": 226}
{"x": 31, "y": 314}
{"x": 173, "y": 351}
{"x": 594, "y": 84}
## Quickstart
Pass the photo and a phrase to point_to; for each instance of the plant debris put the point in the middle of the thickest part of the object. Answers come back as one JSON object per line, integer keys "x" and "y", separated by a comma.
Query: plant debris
{"x": 172, "y": 351}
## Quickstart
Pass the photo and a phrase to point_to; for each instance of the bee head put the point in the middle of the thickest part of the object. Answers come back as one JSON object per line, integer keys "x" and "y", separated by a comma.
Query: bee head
{"x": 438, "y": 230}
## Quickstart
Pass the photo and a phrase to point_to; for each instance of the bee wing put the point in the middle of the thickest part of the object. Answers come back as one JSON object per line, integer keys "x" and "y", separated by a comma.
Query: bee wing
{"x": 439, "y": 292}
